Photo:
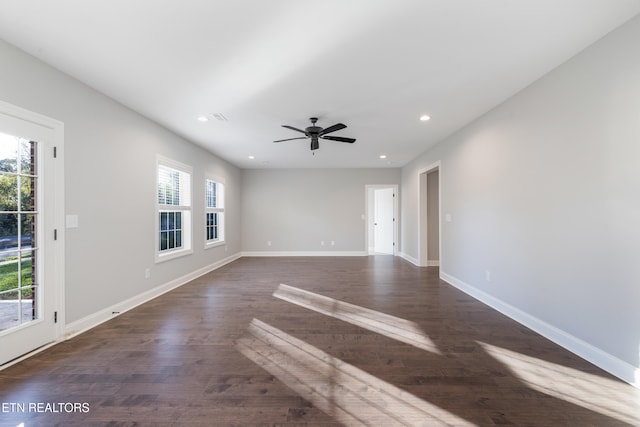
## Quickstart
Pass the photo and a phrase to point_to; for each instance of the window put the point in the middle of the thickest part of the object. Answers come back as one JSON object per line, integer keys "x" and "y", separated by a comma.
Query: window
{"x": 214, "y": 213}
{"x": 174, "y": 210}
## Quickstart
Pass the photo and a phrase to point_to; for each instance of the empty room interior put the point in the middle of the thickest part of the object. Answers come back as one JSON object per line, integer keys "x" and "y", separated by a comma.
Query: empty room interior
{"x": 320, "y": 213}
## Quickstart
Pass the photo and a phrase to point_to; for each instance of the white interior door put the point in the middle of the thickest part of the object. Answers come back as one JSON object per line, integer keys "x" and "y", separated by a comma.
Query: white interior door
{"x": 27, "y": 236}
{"x": 383, "y": 220}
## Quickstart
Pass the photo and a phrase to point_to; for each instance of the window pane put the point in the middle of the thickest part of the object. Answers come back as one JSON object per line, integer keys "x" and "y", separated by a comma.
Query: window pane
{"x": 172, "y": 220}
{"x": 172, "y": 240}
{"x": 163, "y": 221}
{"x": 179, "y": 220}
{"x": 168, "y": 186}
{"x": 178, "y": 239}
{"x": 164, "y": 241}
{"x": 211, "y": 194}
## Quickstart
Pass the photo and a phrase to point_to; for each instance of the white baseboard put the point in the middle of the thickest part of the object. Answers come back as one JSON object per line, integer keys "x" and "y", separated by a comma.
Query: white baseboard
{"x": 414, "y": 261}
{"x": 615, "y": 366}
{"x": 302, "y": 253}
{"x": 79, "y": 326}
{"x": 409, "y": 258}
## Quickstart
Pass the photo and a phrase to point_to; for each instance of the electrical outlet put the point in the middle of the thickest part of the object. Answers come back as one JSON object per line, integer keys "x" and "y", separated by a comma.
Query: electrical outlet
{"x": 147, "y": 273}
{"x": 268, "y": 242}
{"x": 487, "y": 275}
{"x": 322, "y": 243}
{"x": 333, "y": 243}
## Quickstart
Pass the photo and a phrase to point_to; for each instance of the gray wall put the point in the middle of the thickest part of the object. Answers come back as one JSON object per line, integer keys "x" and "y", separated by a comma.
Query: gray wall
{"x": 296, "y": 209}
{"x": 544, "y": 192}
{"x": 110, "y": 166}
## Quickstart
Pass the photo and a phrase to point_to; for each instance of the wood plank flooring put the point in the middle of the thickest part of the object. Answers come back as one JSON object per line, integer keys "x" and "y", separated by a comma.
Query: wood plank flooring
{"x": 347, "y": 341}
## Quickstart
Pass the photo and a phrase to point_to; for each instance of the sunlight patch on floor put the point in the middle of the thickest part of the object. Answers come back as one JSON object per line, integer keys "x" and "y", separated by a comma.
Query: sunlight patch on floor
{"x": 606, "y": 396}
{"x": 348, "y": 394}
{"x": 393, "y": 327}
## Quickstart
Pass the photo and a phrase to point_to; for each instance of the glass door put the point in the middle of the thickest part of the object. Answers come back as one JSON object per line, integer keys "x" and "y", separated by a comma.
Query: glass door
{"x": 19, "y": 252}
{"x": 28, "y": 237}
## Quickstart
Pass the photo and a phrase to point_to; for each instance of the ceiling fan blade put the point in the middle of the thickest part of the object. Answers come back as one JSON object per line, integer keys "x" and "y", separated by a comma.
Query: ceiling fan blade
{"x": 291, "y": 139}
{"x": 292, "y": 128}
{"x": 333, "y": 128}
{"x": 339, "y": 139}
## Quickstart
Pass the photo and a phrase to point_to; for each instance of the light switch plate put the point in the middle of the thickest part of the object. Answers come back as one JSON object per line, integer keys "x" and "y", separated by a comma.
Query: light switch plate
{"x": 72, "y": 221}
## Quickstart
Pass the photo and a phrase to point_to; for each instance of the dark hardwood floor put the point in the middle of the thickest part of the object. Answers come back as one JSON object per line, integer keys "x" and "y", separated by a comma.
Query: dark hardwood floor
{"x": 347, "y": 341}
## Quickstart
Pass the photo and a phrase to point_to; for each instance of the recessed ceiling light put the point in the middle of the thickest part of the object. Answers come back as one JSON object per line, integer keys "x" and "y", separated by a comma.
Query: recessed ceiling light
{"x": 383, "y": 156}
{"x": 252, "y": 157}
{"x": 424, "y": 118}
{"x": 203, "y": 119}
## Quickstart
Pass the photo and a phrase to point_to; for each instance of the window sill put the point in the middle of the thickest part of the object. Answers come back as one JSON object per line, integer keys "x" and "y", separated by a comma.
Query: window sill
{"x": 172, "y": 255}
{"x": 214, "y": 244}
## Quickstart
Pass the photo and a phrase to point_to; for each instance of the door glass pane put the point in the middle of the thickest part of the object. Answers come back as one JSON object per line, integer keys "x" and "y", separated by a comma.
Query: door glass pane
{"x": 8, "y": 153}
{"x": 8, "y": 232}
{"x": 8, "y": 192}
{"x": 18, "y": 222}
{"x": 27, "y": 157}
{"x": 9, "y": 271}
{"x": 27, "y": 231}
{"x": 9, "y": 309}
{"x": 26, "y": 269}
{"x": 27, "y": 194}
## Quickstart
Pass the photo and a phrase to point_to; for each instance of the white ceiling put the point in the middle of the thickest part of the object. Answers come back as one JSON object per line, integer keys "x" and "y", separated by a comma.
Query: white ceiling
{"x": 375, "y": 65}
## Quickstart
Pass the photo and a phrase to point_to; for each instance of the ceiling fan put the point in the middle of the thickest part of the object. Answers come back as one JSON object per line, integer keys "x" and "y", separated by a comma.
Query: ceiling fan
{"x": 316, "y": 133}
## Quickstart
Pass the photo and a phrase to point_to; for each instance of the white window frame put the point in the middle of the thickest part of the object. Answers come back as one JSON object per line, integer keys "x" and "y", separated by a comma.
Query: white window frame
{"x": 185, "y": 208}
{"x": 219, "y": 209}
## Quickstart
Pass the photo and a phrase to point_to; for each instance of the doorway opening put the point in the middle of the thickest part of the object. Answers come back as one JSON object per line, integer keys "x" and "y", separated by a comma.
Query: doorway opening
{"x": 430, "y": 247}
{"x": 382, "y": 227}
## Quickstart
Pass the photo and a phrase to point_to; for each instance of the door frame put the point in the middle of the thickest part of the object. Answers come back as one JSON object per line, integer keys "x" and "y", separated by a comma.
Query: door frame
{"x": 55, "y": 252}
{"x": 423, "y": 255}
{"x": 369, "y": 212}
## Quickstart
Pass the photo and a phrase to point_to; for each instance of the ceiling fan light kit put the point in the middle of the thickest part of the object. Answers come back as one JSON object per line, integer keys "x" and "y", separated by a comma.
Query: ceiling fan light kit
{"x": 316, "y": 133}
